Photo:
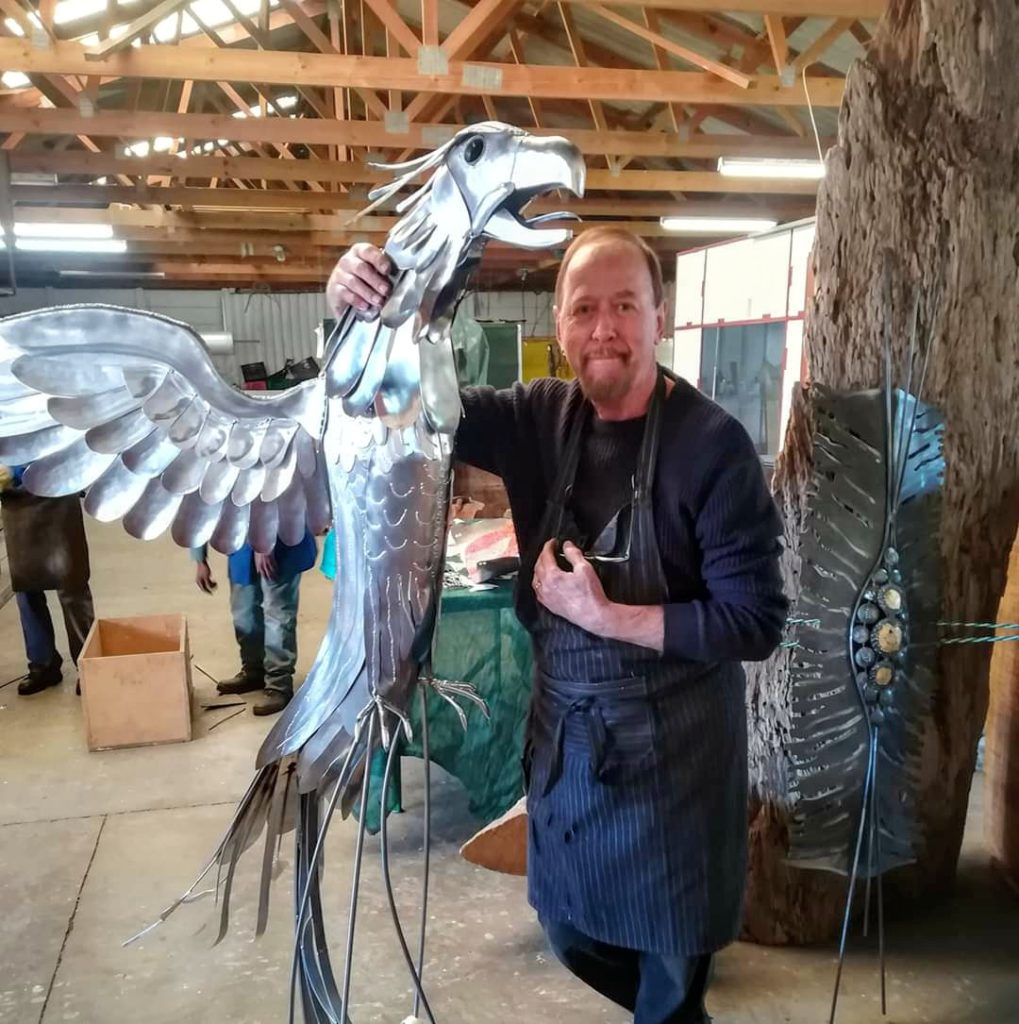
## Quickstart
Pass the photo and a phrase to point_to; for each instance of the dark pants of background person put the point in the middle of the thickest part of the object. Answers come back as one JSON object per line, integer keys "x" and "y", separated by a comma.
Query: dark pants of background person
{"x": 37, "y": 625}
{"x": 265, "y": 624}
{"x": 656, "y": 989}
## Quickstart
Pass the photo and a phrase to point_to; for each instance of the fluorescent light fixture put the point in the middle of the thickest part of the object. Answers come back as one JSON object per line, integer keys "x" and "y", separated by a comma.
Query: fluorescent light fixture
{"x": 71, "y": 245}
{"x": 14, "y": 80}
{"x": 734, "y": 167}
{"x": 717, "y": 225}
{"x": 63, "y": 231}
{"x": 32, "y": 178}
{"x": 113, "y": 272}
{"x": 14, "y": 27}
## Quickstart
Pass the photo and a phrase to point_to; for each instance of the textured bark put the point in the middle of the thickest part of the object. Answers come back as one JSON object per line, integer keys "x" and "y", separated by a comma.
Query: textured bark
{"x": 1002, "y": 755}
{"x": 925, "y": 173}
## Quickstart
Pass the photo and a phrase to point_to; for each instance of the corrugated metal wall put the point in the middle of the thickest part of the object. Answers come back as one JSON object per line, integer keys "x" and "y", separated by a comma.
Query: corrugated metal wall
{"x": 267, "y": 327}
{"x": 270, "y": 327}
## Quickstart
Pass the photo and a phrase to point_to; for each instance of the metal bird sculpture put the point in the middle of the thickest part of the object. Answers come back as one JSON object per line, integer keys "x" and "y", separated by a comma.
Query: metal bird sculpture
{"x": 127, "y": 407}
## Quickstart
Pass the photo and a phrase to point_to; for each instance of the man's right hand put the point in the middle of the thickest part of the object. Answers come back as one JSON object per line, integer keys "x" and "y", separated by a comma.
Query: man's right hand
{"x": 203, "y": 577}
{"x": 359, "y": 279}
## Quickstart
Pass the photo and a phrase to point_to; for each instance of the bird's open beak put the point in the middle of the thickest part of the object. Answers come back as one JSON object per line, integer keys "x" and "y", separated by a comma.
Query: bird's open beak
{"x": 542, "y": 166}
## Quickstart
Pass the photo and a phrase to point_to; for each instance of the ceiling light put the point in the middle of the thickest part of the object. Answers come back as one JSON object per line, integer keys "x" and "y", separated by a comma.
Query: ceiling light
{"x": 113, "y": 272}
{"x": 14, "y": 80}
{"x": 64, "y": 231}
{"x": 71, "y": 245}
{"x": 733, "y": 167}
{"x": 14, "y": 27}
{"x": 32, "y": 178}
{"x": 717, "y": 225}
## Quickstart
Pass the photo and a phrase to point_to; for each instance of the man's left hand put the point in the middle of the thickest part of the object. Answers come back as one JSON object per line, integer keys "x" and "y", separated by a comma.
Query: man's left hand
{"x": 265, "y": 566}
{"x": 576, "y": 596}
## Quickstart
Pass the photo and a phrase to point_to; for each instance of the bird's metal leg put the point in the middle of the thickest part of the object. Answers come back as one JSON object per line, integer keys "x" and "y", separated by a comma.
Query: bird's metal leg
{"x": 388, "y": 882}
{"x": 868, "y": 779}
{"x": 355, "y": 887}
{"x": 381, "y": 706}
{"x": 426, "y": 752}
{"x": 303, "y": 895}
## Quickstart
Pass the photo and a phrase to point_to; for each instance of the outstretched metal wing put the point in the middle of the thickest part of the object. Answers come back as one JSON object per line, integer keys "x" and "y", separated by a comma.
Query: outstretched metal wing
{"x": 870, "y": 597}
{"x": 128, "y": 407}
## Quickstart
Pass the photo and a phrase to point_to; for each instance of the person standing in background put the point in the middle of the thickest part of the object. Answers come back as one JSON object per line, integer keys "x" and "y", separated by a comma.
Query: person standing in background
{"x": 264, "y": 592}
{"x": 46, "y": 550}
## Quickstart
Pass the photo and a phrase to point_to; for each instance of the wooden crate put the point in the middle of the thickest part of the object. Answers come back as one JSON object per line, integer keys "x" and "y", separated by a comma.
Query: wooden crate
{"x": 136, "y": 682}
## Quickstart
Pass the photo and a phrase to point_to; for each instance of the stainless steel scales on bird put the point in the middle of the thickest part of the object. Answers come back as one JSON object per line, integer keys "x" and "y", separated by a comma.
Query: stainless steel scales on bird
{"x": 127, "y": 407}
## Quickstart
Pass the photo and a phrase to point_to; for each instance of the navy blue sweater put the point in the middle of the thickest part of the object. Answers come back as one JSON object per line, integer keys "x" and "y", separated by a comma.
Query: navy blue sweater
{"x": 717, "y": 527}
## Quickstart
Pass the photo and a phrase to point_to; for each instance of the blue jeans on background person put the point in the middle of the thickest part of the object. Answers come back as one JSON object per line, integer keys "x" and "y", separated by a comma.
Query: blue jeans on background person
{"x": 37, "y": 626}
{"x": 265, "y": 624}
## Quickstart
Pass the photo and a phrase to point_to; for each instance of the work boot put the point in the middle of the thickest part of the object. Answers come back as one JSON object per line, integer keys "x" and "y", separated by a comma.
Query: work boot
{"x": 246, "y": 681}
{"x": 40, "y": 679}
{"x": 273, "y": 702}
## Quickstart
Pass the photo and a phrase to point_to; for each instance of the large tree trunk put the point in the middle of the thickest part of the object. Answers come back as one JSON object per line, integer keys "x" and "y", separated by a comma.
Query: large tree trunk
{"x": 926, "y": 167}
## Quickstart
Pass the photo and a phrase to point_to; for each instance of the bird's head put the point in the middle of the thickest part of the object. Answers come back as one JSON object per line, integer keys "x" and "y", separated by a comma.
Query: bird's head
{"x": 482, "y": 179}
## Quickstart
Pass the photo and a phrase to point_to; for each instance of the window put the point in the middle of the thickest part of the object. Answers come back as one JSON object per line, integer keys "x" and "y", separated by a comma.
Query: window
{"x": 741, "y": 369}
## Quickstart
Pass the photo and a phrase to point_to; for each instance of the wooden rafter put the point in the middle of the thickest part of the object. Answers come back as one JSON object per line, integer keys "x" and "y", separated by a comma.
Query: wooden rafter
{"x": 137, "y": 28}
{"x": 837, "y": 8}
{"x": 148, "y": 124}
{"x": 713, "y": 67}
{"x": 395, "y": 24}
{"x": 299, "y": 69}
{"x": 777, "y": 40}
{"x": 817, "y": 49}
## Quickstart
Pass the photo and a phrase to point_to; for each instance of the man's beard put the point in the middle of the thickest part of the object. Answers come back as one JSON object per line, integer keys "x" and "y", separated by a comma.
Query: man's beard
{"x": 607, "y": 388}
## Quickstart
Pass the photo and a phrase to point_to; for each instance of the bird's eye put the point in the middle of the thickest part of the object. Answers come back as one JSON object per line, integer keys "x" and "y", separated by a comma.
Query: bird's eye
{"x": 473, "y": 150}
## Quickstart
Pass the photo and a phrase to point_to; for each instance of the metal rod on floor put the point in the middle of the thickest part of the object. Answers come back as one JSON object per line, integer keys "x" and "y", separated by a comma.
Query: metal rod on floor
{"x": 880, "y": 887}
{"x": 355, "y": 887}
{"x": 425, "y": 751}
{"x": 852, "y": 884}
{"x": 388, "y": 881}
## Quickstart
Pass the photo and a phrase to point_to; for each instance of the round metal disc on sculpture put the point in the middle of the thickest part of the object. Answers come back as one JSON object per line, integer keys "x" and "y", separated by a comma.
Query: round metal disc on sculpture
{"x": 868, "y": 613}
{"x": 890, "y": 598}
{"x": 887, "y": 637}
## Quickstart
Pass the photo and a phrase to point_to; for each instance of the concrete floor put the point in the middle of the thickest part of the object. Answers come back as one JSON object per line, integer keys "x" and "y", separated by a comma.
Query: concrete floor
{"x": 93, "y": 846}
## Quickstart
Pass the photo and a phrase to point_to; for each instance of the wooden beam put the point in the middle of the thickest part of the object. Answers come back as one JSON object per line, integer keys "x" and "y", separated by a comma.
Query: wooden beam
{"x": 125, "y": 219}
{"x": 777, "y": 40}
{"x": 311, "y": 31}
{"x": 580, "y": 59}
{"x": 138, "y": 28}
{"x": 516, "y": 42}
{"x": 817, "y": 49}
{"x": 390, "y": 17}
{"x": 430, "y": 22}
{"x": 59, "y": 197}
{"x": 676, "y": 113}
{"x": 467, "y": 40}
{"x": 806, "y": 8}
{"x": 714, "y": 67}
{"x": 316, "y": 131}
{"x": 326, "y": 69}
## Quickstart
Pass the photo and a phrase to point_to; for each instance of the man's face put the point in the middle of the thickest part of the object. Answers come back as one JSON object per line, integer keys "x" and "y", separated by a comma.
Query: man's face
{"x": 607, "y": 321}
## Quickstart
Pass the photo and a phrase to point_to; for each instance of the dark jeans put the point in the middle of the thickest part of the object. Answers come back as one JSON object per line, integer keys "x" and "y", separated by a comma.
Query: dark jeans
{"x": 37, "y": 626}
{"x": 656, "y": 989}
{"x": 265, "y": 624}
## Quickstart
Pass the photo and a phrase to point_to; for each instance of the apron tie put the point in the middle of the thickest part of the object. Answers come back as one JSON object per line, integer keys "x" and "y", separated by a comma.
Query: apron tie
{"x": 597, "y": 735}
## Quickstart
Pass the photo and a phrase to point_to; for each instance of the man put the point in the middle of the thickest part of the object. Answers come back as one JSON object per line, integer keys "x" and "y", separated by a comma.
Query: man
{"x": 264, "y": 592}
{"x": 46, "y": 550}
{"x": 650, "y": 550}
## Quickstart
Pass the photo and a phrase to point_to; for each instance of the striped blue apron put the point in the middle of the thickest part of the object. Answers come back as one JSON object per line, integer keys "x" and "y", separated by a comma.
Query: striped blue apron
{"x": 635, "y": 764}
